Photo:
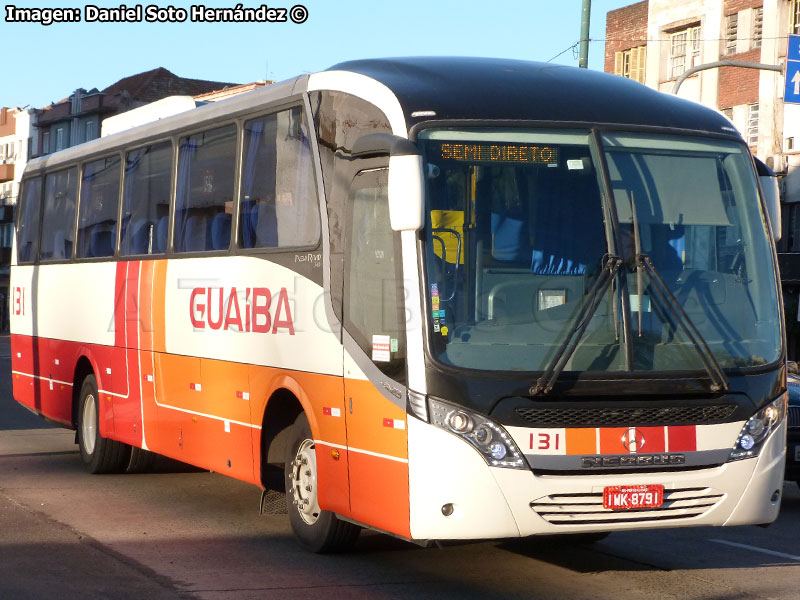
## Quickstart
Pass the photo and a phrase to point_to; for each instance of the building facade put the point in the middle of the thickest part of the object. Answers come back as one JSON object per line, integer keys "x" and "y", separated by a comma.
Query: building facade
{"x": 16, "y": 137}
{"x": 78, "y": 118}
{"x": 656, "y": 41}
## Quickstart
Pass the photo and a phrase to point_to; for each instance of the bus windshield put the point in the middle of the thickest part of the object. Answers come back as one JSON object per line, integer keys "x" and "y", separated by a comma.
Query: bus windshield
{"x": 516, "y": 236}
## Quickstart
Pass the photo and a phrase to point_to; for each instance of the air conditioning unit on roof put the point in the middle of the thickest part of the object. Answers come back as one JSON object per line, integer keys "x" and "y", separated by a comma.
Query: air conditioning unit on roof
{"x": 777, "y": 163}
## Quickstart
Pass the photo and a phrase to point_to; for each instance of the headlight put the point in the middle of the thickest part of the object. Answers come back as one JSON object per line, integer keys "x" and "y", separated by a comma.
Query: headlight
{"x": 488, "y": 438}
{"x": 758, "y": 428}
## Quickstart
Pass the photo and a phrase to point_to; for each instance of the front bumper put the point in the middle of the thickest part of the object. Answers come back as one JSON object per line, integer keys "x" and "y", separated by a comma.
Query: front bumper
{"x": 492, "y": 502}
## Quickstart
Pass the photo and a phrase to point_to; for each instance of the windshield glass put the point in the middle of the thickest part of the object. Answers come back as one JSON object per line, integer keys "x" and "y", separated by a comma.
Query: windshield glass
{"x": 516, "y": 237}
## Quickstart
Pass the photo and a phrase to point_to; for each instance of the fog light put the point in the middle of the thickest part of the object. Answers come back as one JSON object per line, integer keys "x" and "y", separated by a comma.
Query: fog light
{"x": 756, "y": 427}
{"x": 447, "y": 509}
{"x": 498, "y": 451}
{"x": 483, "y": 435}
{"x": 776, "y": 495}
{"x": 459, "y": 421}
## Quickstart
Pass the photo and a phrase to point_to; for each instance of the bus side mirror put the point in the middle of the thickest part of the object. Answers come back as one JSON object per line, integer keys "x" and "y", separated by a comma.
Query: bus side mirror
{"x": 406, "y": 196}
{"x": 772, "y": 196}
{"x": 406, "y": 204}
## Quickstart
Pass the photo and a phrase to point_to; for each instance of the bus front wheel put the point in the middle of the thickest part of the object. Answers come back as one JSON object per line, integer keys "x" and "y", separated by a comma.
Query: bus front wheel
{"x": 99, "y": 454}
{"x": 317, "y": 530}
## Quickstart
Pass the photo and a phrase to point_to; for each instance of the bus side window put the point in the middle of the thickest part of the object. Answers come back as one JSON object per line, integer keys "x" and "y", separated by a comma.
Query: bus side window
{"x": 28, "y": 225}
{"x": 374, "y": 311}
{"x": 145, "y": 198}
{"x": 97, "y": 211}
{"x": 59, "y": 215}
{"x": 204, "y": 194}
{"x": 278, "y": 204}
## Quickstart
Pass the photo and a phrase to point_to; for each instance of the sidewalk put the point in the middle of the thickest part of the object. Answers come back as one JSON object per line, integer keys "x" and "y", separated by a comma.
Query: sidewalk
{"x": 18, "y": 442}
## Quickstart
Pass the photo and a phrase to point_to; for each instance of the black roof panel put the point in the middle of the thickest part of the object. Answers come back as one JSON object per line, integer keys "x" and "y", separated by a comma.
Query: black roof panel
{"x": 494, "y": 88}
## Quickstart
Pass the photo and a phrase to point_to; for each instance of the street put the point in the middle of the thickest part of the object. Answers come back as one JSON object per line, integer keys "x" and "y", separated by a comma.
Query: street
{"x": 199, "y": 535}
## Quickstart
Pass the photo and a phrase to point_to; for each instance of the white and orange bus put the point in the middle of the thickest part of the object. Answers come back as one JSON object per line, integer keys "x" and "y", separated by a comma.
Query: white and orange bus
{"x": 441, "y": 298}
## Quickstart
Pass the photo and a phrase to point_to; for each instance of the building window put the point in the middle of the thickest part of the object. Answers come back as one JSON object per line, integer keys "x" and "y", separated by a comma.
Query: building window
{"x": 758, "y": 26}
{"x": 794, "y": 16}
{"x": 46, "y": 142}
{"x": 731, "y": 32}
{"x": 752, "y": 124}
{"x": 631, "y": 63}
{"x": 684, "y": 50}
{"x": 90, "y": 131}
{"x": 60, "y": 138}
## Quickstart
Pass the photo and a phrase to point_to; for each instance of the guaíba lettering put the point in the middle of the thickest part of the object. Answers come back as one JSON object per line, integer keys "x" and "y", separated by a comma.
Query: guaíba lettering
{"x": 225, "y": 309}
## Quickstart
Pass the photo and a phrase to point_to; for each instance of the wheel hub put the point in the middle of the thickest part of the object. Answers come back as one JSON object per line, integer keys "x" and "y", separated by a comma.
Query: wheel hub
{"x": 89, "y": 423}
{"x": 304, "y": 482}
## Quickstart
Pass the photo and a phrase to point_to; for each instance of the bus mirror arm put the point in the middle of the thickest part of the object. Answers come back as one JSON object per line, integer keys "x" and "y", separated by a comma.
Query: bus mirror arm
{"x": 772, "y": 196}
{"x": 383, "y": 144}
{"x": 405, "y": 177}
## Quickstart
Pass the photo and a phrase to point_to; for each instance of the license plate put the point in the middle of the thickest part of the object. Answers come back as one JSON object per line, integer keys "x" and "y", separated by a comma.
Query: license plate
{"x": 629, "y": 497}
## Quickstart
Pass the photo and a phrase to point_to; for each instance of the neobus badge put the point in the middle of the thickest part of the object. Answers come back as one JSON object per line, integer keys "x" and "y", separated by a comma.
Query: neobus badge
{"x": 221, "y": 308}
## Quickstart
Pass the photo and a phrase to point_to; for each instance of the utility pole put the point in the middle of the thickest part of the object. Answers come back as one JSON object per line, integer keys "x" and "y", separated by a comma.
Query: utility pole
{"x": 583, "y": 63}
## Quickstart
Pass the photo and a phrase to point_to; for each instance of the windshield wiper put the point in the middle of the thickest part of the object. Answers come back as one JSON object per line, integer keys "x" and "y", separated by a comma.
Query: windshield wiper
{"x": 608, "y": 273}
{"x": 719, "y": 383}
{"x": 643, "y": 262}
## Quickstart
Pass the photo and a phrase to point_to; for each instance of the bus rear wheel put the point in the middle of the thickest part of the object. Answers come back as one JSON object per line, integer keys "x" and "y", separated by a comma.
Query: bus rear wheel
{"x": 317, "y": 530}
{"x": 99, "y": 454}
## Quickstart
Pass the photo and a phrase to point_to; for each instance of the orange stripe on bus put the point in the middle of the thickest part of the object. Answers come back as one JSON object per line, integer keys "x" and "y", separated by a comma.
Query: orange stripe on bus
{"x": 158, "y": 302}
{"x": 386, "y": 506}
{"x": 581, "y": 440}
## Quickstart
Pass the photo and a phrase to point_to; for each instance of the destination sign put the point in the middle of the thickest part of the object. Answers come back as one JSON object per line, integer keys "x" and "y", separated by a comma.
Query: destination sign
{"x": 513, "y": 153}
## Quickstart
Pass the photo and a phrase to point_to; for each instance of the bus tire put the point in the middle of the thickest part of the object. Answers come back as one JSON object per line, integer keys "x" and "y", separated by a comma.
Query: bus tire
{"x": 141, "y": 461}
{"x": 316, "y": 530}
{"x": 99, "y": 454}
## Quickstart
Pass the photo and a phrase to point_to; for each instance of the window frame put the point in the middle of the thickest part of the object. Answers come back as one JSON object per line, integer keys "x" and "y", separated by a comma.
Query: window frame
{"x": 758, "y": 27}
{"x": 173, "y": 171}
{"x": 18, "y": 217}
{"x": 81, "y": 166}
{"x": 691, "y": 50}
{"x": 753, "y": 116}
{"x": 290, "y": 103}
{"x": 45, "y": 175}
{"x": 372, "y": 168}
{"x": 237, "y": 159}
{"x": 731, "y": 33}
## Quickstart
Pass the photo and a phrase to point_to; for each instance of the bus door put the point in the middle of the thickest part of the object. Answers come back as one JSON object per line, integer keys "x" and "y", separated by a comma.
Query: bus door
{"x": 375, "y": 356}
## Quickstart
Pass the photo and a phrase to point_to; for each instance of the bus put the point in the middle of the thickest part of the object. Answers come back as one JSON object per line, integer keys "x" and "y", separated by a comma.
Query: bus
{"x": 441, "y": 298}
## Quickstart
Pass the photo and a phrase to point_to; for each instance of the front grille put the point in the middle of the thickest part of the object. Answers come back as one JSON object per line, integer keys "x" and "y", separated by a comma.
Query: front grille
{"x": 794, "y": 417}
{"x": 587, "y": 508}
{"x": 627, "y": 416}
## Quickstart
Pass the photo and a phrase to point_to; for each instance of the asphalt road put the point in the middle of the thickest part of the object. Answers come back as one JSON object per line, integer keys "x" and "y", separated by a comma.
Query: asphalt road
{"x": 67, "y": 534}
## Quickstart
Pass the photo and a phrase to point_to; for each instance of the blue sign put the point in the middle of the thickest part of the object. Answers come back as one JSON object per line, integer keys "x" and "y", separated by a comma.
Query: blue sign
{"x": 791, "y": 93}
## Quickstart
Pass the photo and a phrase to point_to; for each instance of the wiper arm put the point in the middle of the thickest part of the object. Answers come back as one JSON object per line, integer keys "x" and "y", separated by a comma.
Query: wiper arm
{"x": 643, "y": 263}
{"x": 608, "y": 273}
{"x": 718, "y": 380}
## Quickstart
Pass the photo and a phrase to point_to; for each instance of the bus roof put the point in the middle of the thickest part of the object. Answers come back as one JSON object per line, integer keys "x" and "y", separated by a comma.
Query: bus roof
{"x": 454, "y": 88}
{"x": 492, "y": 88}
